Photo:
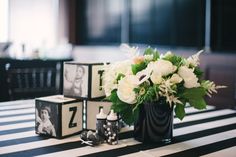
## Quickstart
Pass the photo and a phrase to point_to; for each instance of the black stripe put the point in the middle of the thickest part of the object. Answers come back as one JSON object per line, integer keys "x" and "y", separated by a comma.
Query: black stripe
{"x": 22, "y": 140}
{"x": 206, "y": 149}
{"x": 12, "y": 131}
{"x": 20, "y": 114}
{"x": 184, "y": 124}
{"x": 16, "y": 122}
{"x": 16, "y": 109}
{"x": 177, "y": 139}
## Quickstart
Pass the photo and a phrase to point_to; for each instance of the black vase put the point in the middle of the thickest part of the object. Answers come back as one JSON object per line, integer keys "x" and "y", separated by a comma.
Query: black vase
{"x": 155, "y": 123}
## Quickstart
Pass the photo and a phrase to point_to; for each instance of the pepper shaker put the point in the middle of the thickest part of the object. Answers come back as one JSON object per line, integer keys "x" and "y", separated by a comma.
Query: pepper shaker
{"x": 101, "y": 124}
{"x": 112, "y": 128}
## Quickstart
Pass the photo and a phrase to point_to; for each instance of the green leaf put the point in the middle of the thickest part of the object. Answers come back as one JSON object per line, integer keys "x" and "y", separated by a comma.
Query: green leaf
{"x": 179, "y": 111}
{"x": 138, "y": 67}
{"x": 175, "y": 60}
{"x": 113, "y": 97}
{"x": 120, "y": 76}
{"x": 198, "y": 103}
{"x": 198, "y": 72}
{"x": 195, "y": 97}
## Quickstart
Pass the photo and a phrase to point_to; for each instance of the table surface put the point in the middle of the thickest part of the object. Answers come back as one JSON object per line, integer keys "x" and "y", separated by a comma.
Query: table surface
{"x": 209, "y": 132}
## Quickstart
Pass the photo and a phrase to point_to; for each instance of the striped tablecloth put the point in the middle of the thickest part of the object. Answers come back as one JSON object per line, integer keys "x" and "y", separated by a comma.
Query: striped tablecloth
{"x": 209, "y": 132}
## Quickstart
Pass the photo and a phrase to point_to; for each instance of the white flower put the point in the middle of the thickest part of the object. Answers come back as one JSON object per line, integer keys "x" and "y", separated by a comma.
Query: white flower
{"x": 143, "y": 76}
{"x": 168, "y": 54}
{"x": 111, "y": 73}
{"x": 162, "y": 67}
{"x": 125, "y": 90}
{"x": 148, "y": 57}
{"x": 156, "y": 78}
{"x": 175, "y": 78}
{"x": 194, "y": 59}
{"x": 190, "y": 79}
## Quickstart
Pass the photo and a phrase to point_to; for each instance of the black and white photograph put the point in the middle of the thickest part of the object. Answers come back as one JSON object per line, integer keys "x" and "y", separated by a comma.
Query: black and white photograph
{"x": 45, "y": 120}
{"x": 75, "y": 80}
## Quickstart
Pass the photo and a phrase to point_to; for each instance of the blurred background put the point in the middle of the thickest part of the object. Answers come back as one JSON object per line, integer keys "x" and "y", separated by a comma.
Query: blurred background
{"x": 92, "y": 30}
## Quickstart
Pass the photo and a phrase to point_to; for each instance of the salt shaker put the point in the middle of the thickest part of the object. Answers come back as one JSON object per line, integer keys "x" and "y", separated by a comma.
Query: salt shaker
{"x": 101, "y": 124}
{"x": 112, "y": 128}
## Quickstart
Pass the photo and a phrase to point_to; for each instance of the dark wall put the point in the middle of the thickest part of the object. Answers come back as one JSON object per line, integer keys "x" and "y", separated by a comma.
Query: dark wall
{"x": 223, "y": 36}
{"x": 172, "y": 23}
{"x": 169, "y": 22}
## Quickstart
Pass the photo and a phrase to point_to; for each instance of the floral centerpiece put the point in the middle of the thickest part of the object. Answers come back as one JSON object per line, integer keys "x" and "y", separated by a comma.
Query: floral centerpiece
{"x": 152, "y": 77}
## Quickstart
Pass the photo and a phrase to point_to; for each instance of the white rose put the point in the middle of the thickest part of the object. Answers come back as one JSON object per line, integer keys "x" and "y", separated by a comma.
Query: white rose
{"x": 156, "y": 78}
{"x": 162, "y": 67}
{"x": 125, "y": 90}
{"x": 190, "y": 79}
{"x": 175, "y": 78}
{"x": 111, "y": 73}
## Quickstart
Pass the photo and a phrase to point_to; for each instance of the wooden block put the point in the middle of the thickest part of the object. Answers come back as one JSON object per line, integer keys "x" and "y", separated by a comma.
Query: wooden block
{"x": 92, "y": 109}
{"x": 58, "y": 116}
{"x": 83, "y": 80}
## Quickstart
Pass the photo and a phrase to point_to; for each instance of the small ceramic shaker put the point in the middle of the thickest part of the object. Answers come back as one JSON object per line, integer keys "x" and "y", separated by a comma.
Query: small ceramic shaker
{"x": 112, "y": 128}
{"x": 101, "y": 124}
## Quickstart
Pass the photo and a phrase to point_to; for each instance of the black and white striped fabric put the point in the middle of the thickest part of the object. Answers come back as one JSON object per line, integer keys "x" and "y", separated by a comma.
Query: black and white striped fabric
{"x": 209, "y": 132}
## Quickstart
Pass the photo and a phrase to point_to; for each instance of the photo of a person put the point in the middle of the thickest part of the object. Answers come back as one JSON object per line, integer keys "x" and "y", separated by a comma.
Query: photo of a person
{"x": 43, "y": 122}
{"x": 75, "y": 81}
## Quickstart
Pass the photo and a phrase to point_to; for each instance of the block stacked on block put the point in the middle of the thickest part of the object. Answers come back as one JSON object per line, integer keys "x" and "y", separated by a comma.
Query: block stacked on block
{"x": 83, "y": 81}
{"x": 58, "y": 116}
{"x": 81, "y": 101}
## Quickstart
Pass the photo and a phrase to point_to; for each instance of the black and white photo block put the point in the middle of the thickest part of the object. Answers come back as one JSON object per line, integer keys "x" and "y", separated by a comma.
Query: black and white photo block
{"x": 83, "y": 80}
{"x": 58, "y": 116}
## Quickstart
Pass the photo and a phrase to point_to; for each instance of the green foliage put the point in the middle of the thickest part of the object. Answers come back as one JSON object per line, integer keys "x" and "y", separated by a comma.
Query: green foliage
{"x": 138, "y": 67}
{"x": 120, "y": 76}
{"x": 175, "y": 60}
{"x": 124, "y": 109}
{"x": 179, "y": 111}
{"x": 195, "y": 97}
{"x": 198, "y": 72}
{"x": 151, "y": 51}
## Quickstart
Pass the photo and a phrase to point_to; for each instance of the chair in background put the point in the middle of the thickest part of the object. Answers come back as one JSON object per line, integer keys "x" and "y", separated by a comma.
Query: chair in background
{"x": 33, "y": 78}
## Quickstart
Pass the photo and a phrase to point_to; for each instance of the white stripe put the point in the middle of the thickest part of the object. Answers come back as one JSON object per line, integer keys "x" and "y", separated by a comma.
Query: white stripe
{"x": 204, "y": 115}
{"x": 229, "y": 152}
{"x": 7, "y": 113}
{"x": 182, "y": 146}
{"x": 16, "y": 126}
{"x": 17, "y": 102}
{"x": 17, "y": 118}
{"x": 181, "y": 131}
{"x": 193, "y": 110}
{"x": 16, "y": 136}
{"x": 17, "y": 106}
{"x": 204, "y": 126}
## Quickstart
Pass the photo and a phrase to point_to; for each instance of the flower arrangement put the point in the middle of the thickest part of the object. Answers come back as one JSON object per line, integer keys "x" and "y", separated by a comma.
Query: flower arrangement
{"x": 152, "y": 77}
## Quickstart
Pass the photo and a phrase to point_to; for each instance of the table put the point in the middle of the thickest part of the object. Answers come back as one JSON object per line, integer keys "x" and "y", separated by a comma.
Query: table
{"x": 210, "y": 132}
